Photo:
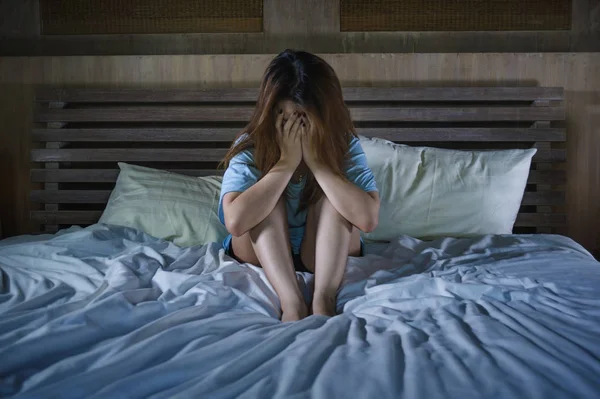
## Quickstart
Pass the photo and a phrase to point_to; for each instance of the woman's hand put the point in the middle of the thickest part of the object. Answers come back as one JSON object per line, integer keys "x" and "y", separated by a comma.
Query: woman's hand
{"x": 289, "y": 138}
{"x": 307, "y": 154}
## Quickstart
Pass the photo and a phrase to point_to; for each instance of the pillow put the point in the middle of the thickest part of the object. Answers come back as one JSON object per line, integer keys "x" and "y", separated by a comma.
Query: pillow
{"x": 178, "y": 208}
{"x": 432, "y": 192}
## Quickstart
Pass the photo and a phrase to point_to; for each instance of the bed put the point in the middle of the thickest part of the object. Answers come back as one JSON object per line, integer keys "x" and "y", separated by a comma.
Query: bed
{"x": 105, "y": 311}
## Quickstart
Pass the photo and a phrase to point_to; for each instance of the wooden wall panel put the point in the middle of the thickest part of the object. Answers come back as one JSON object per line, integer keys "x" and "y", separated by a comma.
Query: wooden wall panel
{"x": 578, "y": 73}
{"x": 444, "y": 15}
{"x": 74, "y": 17}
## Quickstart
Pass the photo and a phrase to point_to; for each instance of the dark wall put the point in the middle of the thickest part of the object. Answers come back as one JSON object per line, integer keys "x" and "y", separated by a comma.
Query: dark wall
{"x": 313, "y": 25}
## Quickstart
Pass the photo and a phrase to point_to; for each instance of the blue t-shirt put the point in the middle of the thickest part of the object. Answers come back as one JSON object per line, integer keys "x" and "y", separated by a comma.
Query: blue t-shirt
{"x": 242, "y": 173}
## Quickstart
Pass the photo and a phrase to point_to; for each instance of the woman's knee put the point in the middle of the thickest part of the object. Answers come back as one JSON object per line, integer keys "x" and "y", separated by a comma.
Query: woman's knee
{"x": 243, "y": 247}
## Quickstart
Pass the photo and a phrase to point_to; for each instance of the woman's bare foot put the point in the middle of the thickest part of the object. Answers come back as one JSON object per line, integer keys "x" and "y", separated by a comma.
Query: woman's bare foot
{"x": 294, "y": 312}
{"x": 324, "y": 305}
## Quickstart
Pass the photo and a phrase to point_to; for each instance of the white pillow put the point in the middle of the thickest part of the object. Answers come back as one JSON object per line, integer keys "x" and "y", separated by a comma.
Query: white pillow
{"x": 179, "y": 208}
{"x": 431, "y": 192}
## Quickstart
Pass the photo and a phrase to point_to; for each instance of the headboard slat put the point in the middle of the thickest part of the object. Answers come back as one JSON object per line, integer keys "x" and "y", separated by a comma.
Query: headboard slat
{"x": 182, "y": 155}
{"x": 408, "y": 134}
{"x": 110, "y": 175}
{"x": 101, "y": 175}
{"x": 243, "y": 113}
{"x": 126, "y": 154}
{"x": 351, "y": 94}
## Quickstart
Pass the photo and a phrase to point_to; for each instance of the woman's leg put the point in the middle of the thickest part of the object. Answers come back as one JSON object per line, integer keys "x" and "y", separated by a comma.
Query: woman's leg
{"x": 268, "y": 245}
{"x": 328, "y": 241}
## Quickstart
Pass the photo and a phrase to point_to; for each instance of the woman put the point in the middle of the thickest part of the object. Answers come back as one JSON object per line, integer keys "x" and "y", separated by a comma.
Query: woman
{"x": 297, "y": 188}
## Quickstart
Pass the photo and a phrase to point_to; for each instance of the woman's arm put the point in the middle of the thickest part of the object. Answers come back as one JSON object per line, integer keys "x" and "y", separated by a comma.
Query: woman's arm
{"x": 353, "y": 203}
{"x": 245, "y": 210}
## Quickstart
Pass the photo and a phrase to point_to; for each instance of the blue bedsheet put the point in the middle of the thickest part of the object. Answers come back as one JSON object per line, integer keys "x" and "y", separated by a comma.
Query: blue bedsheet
{"x": 108, "y": 312}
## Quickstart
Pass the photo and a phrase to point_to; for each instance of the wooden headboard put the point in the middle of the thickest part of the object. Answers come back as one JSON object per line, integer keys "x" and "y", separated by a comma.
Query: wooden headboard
{"x": 81, "y": 134}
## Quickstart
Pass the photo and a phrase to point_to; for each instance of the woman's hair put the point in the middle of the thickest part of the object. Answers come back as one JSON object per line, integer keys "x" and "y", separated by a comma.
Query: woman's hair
{"x": 309, "y": 82}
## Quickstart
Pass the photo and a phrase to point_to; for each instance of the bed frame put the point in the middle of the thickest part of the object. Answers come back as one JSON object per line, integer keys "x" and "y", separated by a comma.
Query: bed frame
{"x": 81, "y": 134}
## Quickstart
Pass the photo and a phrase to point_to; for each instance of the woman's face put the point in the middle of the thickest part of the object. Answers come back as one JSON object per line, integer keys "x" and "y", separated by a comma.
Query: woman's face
{"x": 288, "y": 107}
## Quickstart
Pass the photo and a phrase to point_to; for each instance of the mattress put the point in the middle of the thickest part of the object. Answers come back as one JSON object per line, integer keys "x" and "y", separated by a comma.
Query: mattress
{"x": 109, "y": 312}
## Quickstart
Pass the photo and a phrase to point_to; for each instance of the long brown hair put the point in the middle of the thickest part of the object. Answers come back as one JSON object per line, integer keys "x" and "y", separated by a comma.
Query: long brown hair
{"x": 311, "y": 83}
